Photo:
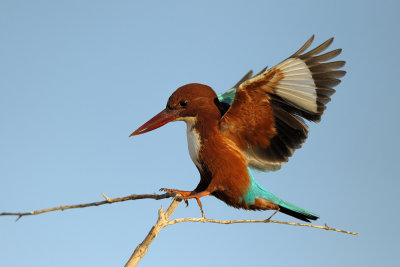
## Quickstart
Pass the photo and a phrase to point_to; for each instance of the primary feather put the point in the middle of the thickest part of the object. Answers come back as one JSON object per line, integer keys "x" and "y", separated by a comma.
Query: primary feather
{"x": 274, "y": 103}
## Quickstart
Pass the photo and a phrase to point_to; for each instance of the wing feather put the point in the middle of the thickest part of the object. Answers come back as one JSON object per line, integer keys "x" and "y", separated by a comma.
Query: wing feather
{"x": 267, "y": 111}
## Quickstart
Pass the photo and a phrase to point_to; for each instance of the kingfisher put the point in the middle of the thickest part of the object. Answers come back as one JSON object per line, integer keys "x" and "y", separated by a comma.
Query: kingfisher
{"x": 257, "y": 124}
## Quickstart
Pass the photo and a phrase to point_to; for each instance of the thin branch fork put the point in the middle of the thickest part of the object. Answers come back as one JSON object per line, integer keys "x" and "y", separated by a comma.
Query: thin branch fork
{"x": 169, "y": 212}
{"x": 163, "y": 220}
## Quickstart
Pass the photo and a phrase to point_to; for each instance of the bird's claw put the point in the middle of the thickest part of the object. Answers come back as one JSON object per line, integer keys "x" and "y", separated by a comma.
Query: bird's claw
{"x": 185, "y": 195}
{"x": 171, "y": 191}
{"x": 178, "y": 194}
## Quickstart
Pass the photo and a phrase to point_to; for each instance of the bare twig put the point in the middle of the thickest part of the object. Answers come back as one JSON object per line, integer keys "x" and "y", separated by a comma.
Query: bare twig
{"x": 162, "y": 221}
{"x": 84, "y": 205}
{"x": 204, "y": 220}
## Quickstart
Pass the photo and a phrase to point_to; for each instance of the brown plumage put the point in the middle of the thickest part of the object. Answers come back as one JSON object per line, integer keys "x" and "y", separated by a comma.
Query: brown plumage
{"x": 261, "y": 128}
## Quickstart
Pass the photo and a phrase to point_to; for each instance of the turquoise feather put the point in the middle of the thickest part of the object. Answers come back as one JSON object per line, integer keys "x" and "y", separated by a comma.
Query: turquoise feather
{"x": 228, "y": 96}
{"x": 256, "y": 191}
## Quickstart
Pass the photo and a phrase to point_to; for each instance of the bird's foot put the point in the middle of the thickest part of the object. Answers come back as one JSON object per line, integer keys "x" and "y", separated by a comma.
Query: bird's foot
{"x": 178, "y": 192}
{"x": 197, "y": 196}
{"x": 185, "y": 195}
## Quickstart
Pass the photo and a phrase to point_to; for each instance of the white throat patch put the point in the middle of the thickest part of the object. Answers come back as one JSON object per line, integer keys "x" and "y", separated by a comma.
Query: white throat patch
{"x": 194, "y": 141}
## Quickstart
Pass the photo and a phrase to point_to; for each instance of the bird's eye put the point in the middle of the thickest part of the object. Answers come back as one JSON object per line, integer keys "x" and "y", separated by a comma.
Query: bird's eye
{"x": 183, "y": 103}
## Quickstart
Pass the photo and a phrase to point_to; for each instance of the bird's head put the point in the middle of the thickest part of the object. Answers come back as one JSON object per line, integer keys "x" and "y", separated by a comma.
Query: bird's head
{"x": 187, "y": 103}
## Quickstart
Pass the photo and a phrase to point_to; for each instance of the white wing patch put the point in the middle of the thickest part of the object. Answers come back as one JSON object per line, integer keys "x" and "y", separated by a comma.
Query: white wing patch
{"x": 297, "y": 86}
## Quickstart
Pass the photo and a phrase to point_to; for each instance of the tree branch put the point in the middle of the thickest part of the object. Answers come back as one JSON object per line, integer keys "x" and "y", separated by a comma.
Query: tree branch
{"x": 163, "y": 220}
{"x": 204, "y": 220}
{"x": 84, "y": 205}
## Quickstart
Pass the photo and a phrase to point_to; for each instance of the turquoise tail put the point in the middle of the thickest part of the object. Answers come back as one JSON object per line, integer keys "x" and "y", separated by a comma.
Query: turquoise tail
{"x": 256, "y": 191}
{"x": 296, "y": 212}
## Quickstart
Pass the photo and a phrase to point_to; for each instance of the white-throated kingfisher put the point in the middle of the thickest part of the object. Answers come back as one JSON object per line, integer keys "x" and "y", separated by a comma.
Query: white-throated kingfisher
{"x": 256, "y": 124}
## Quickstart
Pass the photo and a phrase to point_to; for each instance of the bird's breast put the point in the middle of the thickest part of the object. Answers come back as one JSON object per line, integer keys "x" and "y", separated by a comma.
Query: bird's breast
{"x": 194, "y": 144}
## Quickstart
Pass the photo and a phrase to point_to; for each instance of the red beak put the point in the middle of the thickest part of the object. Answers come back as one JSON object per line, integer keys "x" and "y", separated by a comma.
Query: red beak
{"x": 157, "y": 121}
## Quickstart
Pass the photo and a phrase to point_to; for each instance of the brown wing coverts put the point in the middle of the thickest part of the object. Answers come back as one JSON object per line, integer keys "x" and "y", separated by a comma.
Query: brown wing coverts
{"x": 272, "y": 104}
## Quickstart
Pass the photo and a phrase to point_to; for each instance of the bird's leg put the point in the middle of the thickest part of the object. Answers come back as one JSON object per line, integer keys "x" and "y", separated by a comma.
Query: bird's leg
{"x": 182, "y": 193}
{"x": 185, "y": 195}
{"x": 273, "y": 214}
{"x": 179, "y": 192}
{"x": 197, "y": 196}
{"x": 201, "y": 207}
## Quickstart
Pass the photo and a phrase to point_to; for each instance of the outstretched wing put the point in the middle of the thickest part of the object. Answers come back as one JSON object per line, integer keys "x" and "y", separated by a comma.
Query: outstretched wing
{"x": 265, "y": 119}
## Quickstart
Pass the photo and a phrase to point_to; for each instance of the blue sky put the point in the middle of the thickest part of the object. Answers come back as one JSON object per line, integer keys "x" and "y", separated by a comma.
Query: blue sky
{"x": 77, "y": 77}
